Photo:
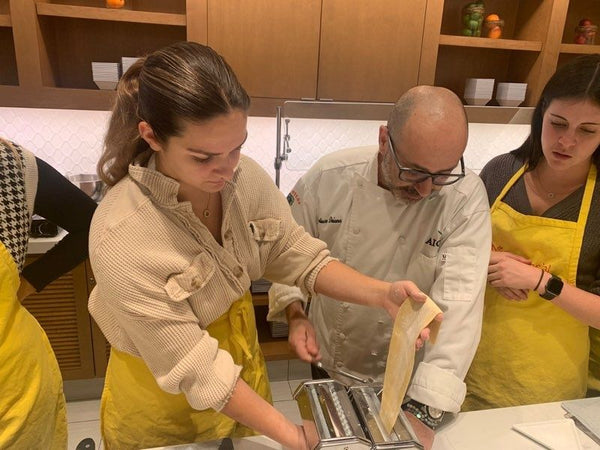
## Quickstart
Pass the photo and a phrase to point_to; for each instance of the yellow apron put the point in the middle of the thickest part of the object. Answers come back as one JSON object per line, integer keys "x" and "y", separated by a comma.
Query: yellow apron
{"x": 136, "y": 413}
{"x": 531, "y": 351}
{"x": 32, "y": 405}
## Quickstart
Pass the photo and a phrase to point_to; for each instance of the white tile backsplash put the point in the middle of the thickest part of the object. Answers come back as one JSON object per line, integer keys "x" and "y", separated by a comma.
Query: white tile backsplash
{"x": 71, "y": 140}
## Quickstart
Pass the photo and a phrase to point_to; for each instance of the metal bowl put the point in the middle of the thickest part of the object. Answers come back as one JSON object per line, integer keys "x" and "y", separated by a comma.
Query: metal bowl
{"x": 89, "y": 183}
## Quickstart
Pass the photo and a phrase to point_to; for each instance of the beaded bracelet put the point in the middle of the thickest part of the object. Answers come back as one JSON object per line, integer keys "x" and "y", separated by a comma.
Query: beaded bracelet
{"x": 539, "y": 281}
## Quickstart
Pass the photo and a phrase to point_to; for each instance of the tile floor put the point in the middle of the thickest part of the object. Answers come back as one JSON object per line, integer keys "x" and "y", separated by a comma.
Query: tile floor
{"x": 285, "y": 376}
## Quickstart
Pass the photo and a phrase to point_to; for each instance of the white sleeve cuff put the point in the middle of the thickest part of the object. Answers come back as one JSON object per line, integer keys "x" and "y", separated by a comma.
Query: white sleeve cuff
{"x": 280, "y": 296}
{"x": 437, "y": 387}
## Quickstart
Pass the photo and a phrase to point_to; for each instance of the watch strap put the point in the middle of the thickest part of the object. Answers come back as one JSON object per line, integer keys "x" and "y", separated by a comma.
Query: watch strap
{"x": 421, "y": 412}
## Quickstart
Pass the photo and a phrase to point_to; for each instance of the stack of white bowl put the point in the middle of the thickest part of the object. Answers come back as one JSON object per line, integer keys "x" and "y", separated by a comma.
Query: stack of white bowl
{"x": 106, "y": 74}
{"x": 478, "y": 91}
{"x": 127, "y": 62}
{"x": 511, "y": 94}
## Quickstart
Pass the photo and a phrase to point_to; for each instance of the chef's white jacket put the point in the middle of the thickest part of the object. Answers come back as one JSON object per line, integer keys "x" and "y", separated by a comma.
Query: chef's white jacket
{"x": 442, "y": 243}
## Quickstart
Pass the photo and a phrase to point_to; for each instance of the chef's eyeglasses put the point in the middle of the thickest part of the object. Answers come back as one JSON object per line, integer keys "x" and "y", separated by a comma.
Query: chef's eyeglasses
{"x": 416, "y": 176}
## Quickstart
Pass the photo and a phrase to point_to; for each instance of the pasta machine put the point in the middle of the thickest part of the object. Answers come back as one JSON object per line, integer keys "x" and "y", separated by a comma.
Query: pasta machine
{"x": 346, "y": 418}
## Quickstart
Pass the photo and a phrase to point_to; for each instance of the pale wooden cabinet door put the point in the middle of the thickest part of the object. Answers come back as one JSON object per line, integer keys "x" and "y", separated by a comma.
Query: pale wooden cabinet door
{"x": 370, "y": 50}
{"x": 61, "y": 310}
{"x": 272, "y": 45}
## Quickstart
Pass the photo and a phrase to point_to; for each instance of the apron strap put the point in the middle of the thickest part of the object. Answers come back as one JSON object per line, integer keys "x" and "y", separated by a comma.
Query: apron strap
{"x": 584, "y": 211}
{"x": 508, "y": 185}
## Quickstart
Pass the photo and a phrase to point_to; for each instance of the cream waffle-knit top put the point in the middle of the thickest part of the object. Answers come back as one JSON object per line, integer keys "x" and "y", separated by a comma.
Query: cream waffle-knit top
{"x": 162, "y": 278}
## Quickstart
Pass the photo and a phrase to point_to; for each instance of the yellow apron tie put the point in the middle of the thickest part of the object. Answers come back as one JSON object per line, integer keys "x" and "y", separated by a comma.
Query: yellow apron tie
{"x": 32, "y": 405}
{"x": 136, "y": 413}
{"x": 238, "y": 322}
{"x": 531, "y": 351}
{"x": 594, "y": 372}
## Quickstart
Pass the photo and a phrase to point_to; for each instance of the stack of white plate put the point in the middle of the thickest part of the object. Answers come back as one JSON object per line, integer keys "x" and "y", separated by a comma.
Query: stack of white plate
{"x": 126, "y": 62}
{"x": 510, "y": 94}
{"x": 260, "y": 286}
{"x": 278, "y": 329}
{"x": 478, "y": 91}
{"x": 106, "y": 74}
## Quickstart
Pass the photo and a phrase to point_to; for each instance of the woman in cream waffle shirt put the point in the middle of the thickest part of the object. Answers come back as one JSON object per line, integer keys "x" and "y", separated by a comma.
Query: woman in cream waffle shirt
{"x": 186, "y": 225}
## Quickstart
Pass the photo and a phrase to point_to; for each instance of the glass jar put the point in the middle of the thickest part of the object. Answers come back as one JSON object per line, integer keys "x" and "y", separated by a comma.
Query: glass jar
{"x": 472, "y": 19}
{"x": 493, "y": 28}
{"x": 585, "y": 34}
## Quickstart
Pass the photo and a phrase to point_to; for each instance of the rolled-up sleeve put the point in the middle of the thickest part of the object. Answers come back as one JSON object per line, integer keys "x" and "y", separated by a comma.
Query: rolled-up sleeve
{"x": 162, "y": 326}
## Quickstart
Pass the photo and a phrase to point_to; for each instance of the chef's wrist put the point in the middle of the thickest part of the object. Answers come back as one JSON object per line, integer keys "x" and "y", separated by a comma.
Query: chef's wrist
{"x": 295, "y": 310}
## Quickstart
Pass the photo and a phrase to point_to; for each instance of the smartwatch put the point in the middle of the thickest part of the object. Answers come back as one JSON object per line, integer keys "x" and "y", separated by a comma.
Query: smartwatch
{"x": 553, "y": 288}
{"x": 429, "y": 415}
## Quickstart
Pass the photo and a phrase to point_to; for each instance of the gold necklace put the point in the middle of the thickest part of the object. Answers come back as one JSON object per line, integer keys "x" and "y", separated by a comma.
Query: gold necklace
{"x": 552, "y": 195}
{"x": 206, "y": 212}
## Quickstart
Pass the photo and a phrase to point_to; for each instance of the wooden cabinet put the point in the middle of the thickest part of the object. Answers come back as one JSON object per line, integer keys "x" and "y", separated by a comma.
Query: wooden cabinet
{"x": 55, "y": 42}
{"x": 61, "y": 310}
{"x": 370, "y": 51}
{"x": 577, "y": 10}
{"x": 536, "y": 33}
{"x": 272, "y": 45}
{"x": 8, "y": 61}
{"x": 286, "y": 49}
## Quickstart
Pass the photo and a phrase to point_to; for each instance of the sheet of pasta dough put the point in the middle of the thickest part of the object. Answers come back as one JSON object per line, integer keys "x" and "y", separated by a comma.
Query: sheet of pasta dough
{"x": 412, "y": 317}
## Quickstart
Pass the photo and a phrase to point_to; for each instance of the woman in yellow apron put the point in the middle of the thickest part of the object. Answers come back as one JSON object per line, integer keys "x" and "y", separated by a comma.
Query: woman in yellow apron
{"x": 534, "y": 346}
{"x": 185, "y": 227}
{"x": 32, "y": 405}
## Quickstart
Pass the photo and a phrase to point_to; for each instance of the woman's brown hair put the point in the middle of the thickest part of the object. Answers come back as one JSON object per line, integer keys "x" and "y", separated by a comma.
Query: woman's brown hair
{"x": 183, "y": 82}
{"x": 579, "y": 79}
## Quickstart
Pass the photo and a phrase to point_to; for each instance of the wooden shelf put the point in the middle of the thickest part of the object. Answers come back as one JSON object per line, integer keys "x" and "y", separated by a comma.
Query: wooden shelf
{"x": 117, "y": 15}
{"x": 5, "y": 20}
{"x": 260, "y": 299}
{"x": 579, "y": 49}
{"x": 499, "y": 44}
{"x": 51, "y": 97}
{"x": 277, "y": 349}
{"x": 273, "y": 348}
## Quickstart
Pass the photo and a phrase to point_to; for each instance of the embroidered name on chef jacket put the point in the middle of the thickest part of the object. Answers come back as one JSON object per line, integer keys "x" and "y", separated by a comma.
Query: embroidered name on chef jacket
{"x": 330, "y": 219}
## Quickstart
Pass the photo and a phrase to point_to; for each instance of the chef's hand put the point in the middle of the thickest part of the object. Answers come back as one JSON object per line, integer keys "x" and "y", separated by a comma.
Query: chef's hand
{"x": 398, "y": 293}
{"x": 301, "y": 334}
{"x": 512, "y": 272}
{"x": 425, "y": 435}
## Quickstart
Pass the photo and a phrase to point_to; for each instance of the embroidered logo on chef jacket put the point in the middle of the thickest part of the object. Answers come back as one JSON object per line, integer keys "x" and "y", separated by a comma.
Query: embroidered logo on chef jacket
{"x": 435, "y": 242}
{"x": 330, "y": 219}
{"x": 293, "y": 197}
